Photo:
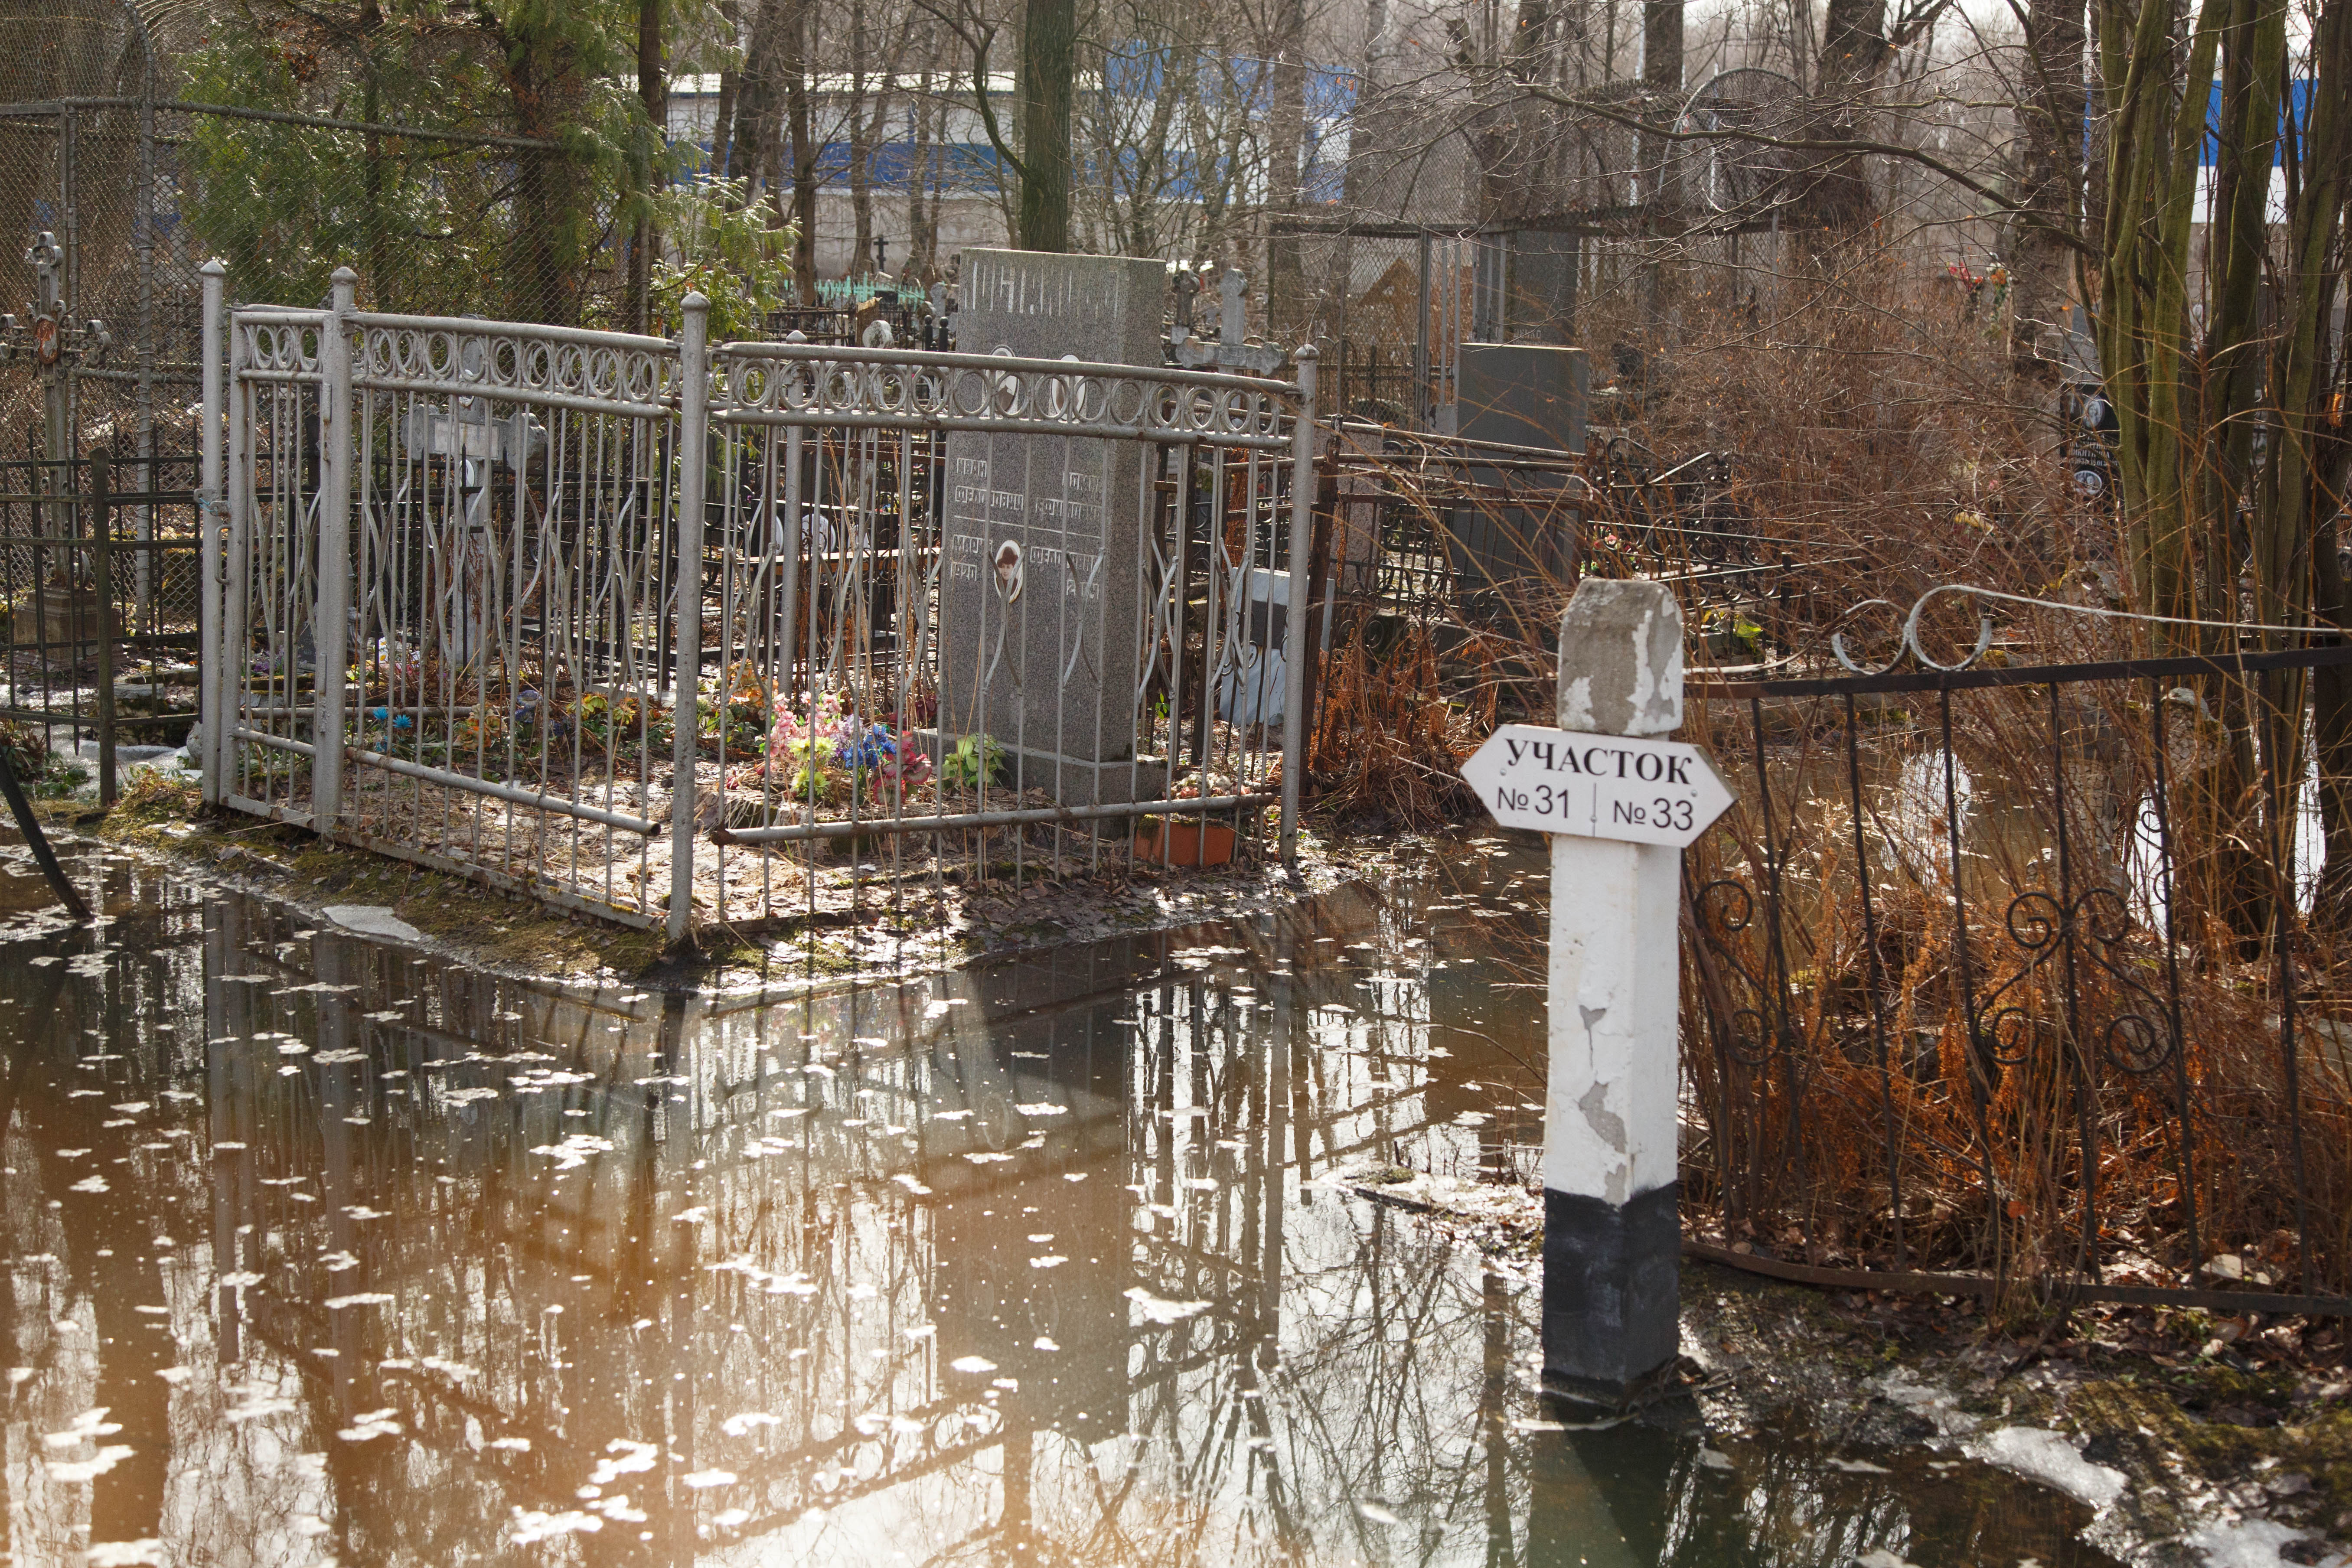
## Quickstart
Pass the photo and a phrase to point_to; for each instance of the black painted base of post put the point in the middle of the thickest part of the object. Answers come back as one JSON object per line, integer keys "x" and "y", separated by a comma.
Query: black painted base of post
{"x": 1611, "y": 1315}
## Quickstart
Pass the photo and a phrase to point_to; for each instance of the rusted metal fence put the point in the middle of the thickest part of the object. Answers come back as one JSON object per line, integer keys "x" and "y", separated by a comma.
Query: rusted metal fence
{"x": 2026, "y": 978}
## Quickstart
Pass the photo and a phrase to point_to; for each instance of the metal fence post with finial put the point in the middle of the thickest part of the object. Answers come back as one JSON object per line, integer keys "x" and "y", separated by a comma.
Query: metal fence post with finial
{"x": 102, "y": 540}
{"x": 685, "y": 713}
{"x": 212, "y": 514}
{"x": 330, "y": 619}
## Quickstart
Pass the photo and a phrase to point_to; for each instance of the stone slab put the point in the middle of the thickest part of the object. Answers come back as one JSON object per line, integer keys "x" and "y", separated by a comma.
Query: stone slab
{"x": 1043, "y": 588}
{"x": 1523, "y": 394}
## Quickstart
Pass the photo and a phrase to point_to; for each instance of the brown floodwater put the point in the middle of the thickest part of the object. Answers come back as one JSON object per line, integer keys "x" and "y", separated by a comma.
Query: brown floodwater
{"x": 322, "y": 1250}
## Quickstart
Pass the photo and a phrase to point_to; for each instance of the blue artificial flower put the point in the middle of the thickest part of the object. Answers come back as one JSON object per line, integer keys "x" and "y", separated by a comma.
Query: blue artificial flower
{"x": 867, "y": 750}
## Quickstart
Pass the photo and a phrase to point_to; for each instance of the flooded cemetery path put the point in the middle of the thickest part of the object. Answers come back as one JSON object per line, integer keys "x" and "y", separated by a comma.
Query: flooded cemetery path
{"x": 320, "y": 1250}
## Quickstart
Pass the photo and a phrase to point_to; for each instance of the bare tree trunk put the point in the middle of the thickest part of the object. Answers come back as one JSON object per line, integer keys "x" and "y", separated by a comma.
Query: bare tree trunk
{"x": 378, "y": 233}
{"x": 1364, "y": 137}
{"x": 2039, "y": 260}
{"x": 722, "y": 122}
{"x": 543, "y": 80}
{"x": 795, "y": 54}
{"x": 1286, "y": 277}
{"x": 1854, "y": 52}
{"x": 922, "y": 228}
{"x": 869, "y": 133}
{"x": 861, "y": 143}
{"x": 2310, "y": 459}
{"x": 1049, "y": 56}
{"x": 1661, "y": 78}
{"x": 751, "y": 143}
{"x": 935, "y": 179}
{"x": 652, "y": 91}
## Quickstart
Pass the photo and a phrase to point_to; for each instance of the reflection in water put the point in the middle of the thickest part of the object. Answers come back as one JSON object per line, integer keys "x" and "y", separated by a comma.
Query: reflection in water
{"x": 318, "y": 1250}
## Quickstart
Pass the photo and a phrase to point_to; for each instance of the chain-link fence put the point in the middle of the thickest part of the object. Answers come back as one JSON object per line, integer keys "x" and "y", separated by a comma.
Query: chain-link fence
{"x": 1391, "y": 309}
{"x": 143, "y": 154}
{"x": 138, "y": 194}
{"x": 116, "y": 186}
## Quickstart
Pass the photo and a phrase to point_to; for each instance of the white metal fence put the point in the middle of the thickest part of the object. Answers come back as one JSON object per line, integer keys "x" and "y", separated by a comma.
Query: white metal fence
{"x": 602, "y": 617}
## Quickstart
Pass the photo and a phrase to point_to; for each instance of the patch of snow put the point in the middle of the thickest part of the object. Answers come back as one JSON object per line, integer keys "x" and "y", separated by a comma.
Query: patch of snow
{"x": 257, "y": 1406}
{"x": 373, "y": 920}
{"x": 88, "y": 1427}
{"x": 739, "y": 1424}
{"x": 1902, "y": 1387}
{"x": 2049, "y": 1459}
{"x": 530, "y": 1526}
{"x": 372, "y": 1424}
{"x": 629, "y": 1458}
{"x": 2252, "y": 1545}
{"x": 89, "y": 1469}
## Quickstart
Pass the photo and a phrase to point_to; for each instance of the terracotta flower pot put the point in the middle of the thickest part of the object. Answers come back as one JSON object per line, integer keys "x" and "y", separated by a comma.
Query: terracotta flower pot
{"x": 1183, "y": 843}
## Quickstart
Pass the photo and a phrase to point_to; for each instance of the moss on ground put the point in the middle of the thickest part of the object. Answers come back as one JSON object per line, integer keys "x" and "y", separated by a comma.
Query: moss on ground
{"x": 499, "y": 930}
{"x": 161, "y": 811}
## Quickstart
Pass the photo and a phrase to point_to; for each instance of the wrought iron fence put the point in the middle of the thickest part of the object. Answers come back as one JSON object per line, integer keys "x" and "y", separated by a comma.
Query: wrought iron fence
{"x": 643, "y": 627}
{"x": 99, "y": 584}
{"x": 1496, "y": 535}
{"x": 2021, "y": 975}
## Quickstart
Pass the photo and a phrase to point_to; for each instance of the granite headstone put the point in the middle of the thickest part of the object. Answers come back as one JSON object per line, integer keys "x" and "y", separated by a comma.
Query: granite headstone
{"x": 1044, "y": 598}
{"x": 1517, "y": 557}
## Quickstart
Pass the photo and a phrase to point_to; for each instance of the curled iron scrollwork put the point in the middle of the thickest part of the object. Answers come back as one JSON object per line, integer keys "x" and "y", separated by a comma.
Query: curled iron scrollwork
{"x": 1909, "y": 642}
{"x": 1720, "y": 910}
{"x": 749, "y": 381}
{"x": 2095, "y": 928}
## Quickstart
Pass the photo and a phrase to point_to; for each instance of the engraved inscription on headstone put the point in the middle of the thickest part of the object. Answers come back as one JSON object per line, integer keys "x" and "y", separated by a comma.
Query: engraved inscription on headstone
{"x": 1042, "y": 595}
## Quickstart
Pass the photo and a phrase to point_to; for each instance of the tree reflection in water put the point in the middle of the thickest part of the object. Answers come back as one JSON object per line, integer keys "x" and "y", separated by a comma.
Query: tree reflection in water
{"x": 362, "y": 1255}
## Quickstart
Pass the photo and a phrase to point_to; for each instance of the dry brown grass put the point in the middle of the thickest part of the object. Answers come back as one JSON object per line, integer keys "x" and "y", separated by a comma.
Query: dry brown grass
{"x": 2054, "y": 1080}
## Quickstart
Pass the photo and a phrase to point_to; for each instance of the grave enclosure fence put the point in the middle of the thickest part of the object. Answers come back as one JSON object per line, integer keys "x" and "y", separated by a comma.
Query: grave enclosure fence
{"x": 681, "y": 634}
{"x": 89, "y": 546}
{"x": 118, "y": 186}
{"x": 2024, "y": 982}
{"x": 1480, "y": 545}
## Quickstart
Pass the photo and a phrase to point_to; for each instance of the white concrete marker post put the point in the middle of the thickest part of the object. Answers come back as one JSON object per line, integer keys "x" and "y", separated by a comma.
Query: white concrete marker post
{"x": 1620, "y": 808}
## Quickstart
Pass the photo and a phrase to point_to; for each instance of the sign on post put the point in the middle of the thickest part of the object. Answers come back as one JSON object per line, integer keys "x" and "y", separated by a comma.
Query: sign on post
{"x": 1628, "y": 788}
